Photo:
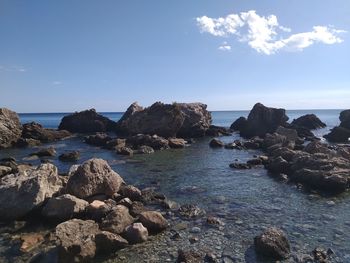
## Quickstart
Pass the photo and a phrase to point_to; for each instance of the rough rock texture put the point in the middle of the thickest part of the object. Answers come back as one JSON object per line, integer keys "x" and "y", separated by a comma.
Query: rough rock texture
{"x": 239, "y": 124}
{"x": 21, "y": 193}
{"x": 98, "y": 139}
{"x": 341, "y": 133}
{"x": 35, "y": 131}
{"x": 217, "y": 131}
{"x": 167, "y": 120}
{"x": 117, "y": 220}
{"x": 189, "y": 256}
{"x": 131, "y": 192}
{"x": 64, "y": 207}
{"x": 309, "y": 121}
{"x": 216, "y": 143}
{"x": 272, "y": 243}
{"x": 86, "y": 121}
{"x": 76, "y": 240}
{"x": 261, "y": 120}
{"x": 107, "y": 242}
{"x": 45, "y": 152}
{"x": 153, "y": 221}
{"x": 176, "y": 143}
{"x": 143, "y": 149}
{"x": 93, "y": 177}
{"x": 10, "y": 128}
{"x": 156, "y": 142}
{"x": 136, "y": 233}
{"x": 69, "y": 156}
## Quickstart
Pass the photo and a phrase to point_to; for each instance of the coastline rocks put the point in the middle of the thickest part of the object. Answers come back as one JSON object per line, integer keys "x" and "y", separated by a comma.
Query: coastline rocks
{"x": 117, "y": 220}
{"x": 190, "y": 211}
{"x": 272, "y": 243}
{"x": 136, "y": 233}
{"x": 144, "y": 149}
{"x": 217, "y": 131}
{"x": 309, "y": 121}
{"x": 94, "y": 177}
{"x": 22, "y": 193}
{"x": 75, "y": 240}
{"x": 153, "y": 221}
{"x": 35, "y": 131}
{"x": 98, "y": 139}
{"x": 167, "y": 120}
{"x": 45, "y": 152}
{"x": 86, "y": 121}
{"x": 10, "y": 128}
{"x": 107, "y": 242}
{"x": 261, "y": 120}
{"x": 70, "y": 156}
{"x": 131, "y": 192}
{"x": 156, "y": 142}
{"x": 341, "y": 133}
{"x": 176, "y": 143}
{"x": 216, "y": 143}
{"x": 64, "y": 207}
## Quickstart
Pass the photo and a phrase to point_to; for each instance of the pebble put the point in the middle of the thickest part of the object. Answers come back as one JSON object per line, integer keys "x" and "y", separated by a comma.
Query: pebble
{"x": 195, "y": 230}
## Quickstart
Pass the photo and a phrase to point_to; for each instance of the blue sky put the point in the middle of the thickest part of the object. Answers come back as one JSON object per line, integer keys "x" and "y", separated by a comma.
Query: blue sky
{"x": 59, "y": 56}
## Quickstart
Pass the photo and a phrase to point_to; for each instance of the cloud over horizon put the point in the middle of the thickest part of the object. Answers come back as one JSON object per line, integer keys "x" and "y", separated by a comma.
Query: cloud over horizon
{"x": 263, "y": 34}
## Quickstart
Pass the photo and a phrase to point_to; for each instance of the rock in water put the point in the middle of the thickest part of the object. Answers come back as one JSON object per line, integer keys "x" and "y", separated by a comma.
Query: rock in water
{"x": 341, "y": 133}
{"x": 309, "y": 121}
{"x": 23, "y": 192}
{"x": 64, "y": 207}
{"x": 167, "y": 120}
{"x": 70, "y": 156}
{"x": 86, "y": 121}
{"x": 153, "y": 221}
{"x": 94, "y": 177}
{"x": 10, "y": 128}
{"x": 35, "y": 131}
{"x": 216, "y": 143}
{"x": 261, "y": 120}
{"x": 273, "y": 243}
{"x": 76, "y": 240}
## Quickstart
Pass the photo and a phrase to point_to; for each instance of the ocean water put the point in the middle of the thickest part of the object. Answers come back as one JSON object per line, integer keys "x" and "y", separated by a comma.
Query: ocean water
{"x": 246, "y": 200}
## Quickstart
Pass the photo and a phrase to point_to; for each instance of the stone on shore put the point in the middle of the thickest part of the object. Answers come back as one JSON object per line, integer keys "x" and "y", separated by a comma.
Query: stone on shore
{"x": 45, "y": 152}
{"x": 69, "y": 156}
{"x": 153, "y": 221}
{"x": 93, "y": 177}
{"x": 216, "y": 143}
{"x": 155, "y": 142}
{"x": 98, "y": 139}
{"x": 131, "y": 192}
{"x": 107, "y": 242}
{"x": 23, "y": 192}
{"x": 10, "y": 128}
{"x": 176, "y": 143}
{"x": 136, "y": 233}
{"x": 272, "y": 243}
{"x": 86, "y": 121}
{"x": 117, "y": 220}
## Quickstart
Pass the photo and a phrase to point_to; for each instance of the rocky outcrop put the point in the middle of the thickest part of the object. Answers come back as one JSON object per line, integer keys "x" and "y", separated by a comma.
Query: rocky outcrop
{"x": 309, "y": 121}
{"x": 94, "y": 177}
{"x": 155, "y": 141}
{"x": 117, "y": 220}
{"x": 167, "y": 120}
{"x": 64, "y": 207}
{"x": 76, "y": 240}
{"x": 23, "y": 192}
{"x": 261, "y": 120}
{"x": 35, "y": 131}
{"x": 86, "y": 121}
{"x": 273, "y": 243}
{"x": 10, "y": 128}
{"x": 341, "y": 133}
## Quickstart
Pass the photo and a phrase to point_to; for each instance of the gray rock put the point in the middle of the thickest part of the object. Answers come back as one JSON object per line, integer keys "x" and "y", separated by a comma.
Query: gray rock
{"x": 131, "y": 192}
{"x": 10, "y": 128}
{"x": 117, "y": 220}
{"x": 136, "y": 233}
{"x": 107, "y": 242}
{"x": 153, "y": 221}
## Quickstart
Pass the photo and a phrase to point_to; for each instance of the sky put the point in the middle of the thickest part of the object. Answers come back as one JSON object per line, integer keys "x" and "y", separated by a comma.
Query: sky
{"x": 64, "y": 56}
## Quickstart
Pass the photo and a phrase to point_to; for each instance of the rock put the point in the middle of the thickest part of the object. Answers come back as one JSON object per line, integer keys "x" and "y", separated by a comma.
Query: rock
{"x": 156, "y": 142}
{"x": 153, "y": 221}
{"x": 190, "y": 211}
{"x": 143, "y": 149}
{"x": 125, "y": 151}
{"x": 240, "y": 166}
{"x": 272, "y": 243}
{"x": 45, "y": 152}
{"x": 137, "y": 208}
{"x": 99, "y": 139}
{"x": 290, "y": 134}
{"x": 97, "y": 210}
{"x": 86, "y": 121}
{"x": 23, "y": 192}
{"x": 262, "y": 120}
{"x": 239, "y": 124}
{"x": 4, "y": 170}
{"x": 70, "y": 156}
{"x": 115, "y": 143}
{"x": 94, "y": 177}
{"x": 211, "y": 220}
{"x": 131, "y": 192}
{"x": 64, "y": 207}
{"x": 30, "y": 241}
{"x": 136, "y": 233}
{"x": 189, "y": 257}
{"x": 278, "y": 165}
{"x": 309, "y": 121}
{"x": 216, "y": 143}
{"x": 255, "y": 161}
{"x": 76, "y": 240}
{"x": 216, "y": 131}
{"x": 338, "y": 134}
{"x": 107, "y": 242}
{"x": 10, "y": 128}
{"x": 117, "y": 220}
{"x": 35, "y": 131}
{"x": 273, "y": 139}
{"x": 167, "y": 120}
{"x": 125, "y": 202}
{"x": 176, "y": 143}
{"x": 22, "y": 142}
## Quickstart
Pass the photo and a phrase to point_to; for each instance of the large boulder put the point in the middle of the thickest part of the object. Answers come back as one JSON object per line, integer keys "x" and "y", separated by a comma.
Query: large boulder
{"x": 167, "y": 120}
{"x": 86, "y": 121}
{"x": 272, "y": 243}
{"x": 341, "y": 133}
{"x": 261, "y": 120}
{"x": 64, "y": 207}
{"x": 136, "y": 233}
{"x": 117, "y": 220}
{"x": 309, "y": 121}
{"x": 107, "y": 242}
{"x": 23, "y": 192}
{"x": 76, "y": 240}
{"x": 155, "y": 141}
{"x": 153, "y": 221}
{"x": 10, "y": 128}
{"x": 93, "y": 177}
{"x": 35, "y": 131}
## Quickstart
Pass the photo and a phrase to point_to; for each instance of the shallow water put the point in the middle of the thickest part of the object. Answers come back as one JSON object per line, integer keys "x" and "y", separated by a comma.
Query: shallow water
{"x": 247, "y": 201}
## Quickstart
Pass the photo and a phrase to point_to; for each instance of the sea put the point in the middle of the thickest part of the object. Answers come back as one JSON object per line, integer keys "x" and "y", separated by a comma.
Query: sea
{"x": 247, "y": 201}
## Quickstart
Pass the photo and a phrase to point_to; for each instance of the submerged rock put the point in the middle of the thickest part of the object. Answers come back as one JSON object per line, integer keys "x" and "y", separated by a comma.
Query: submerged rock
{"x": 45, "y": 152}
{"x": 272, "y": 243}
{"x": 190, "y": 211}
{"x": 10, "y": 128}
{"x": 94, "y": 177}
{"x": 23, "y": 192}
{"x": 86, "y": 121}
{"x": 216, "y": 143}
{"x": 69, "y": 156}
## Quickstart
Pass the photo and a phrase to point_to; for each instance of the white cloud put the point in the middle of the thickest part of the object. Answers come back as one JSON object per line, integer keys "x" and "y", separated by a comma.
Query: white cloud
{"x": 56, "y": 83}
{"x": 263, "y": 33}
{"x": 225, "y": 47}
{"x": 12, "y": 68}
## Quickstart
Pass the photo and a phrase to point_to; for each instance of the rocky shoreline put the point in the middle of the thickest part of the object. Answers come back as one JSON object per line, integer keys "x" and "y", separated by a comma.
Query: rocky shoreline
{"x": 91, "y": 212}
